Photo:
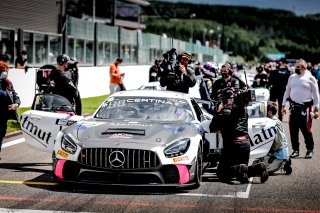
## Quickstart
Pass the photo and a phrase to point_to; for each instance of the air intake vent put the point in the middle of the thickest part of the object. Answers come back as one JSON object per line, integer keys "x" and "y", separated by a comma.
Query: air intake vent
{"x": 119, "y": 159}
{"x": 126, "y": 131}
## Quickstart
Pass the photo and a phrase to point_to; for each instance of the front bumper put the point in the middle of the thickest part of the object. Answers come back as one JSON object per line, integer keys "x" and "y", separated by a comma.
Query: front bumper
{"x": 175, "y": 175}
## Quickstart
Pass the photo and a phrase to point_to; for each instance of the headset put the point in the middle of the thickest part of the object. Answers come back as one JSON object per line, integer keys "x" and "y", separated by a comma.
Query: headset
{"x": 62, "y": 59}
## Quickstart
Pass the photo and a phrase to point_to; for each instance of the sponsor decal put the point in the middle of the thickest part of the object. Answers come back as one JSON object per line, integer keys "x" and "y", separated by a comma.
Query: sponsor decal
{"x": 111, "y": 103}
{"x": 153, "y": 100}
{"x": 64, "y": 122}
{"x": 179, "y": 159}
{"x": 31, "y": 128}
{"x": 69, "y": 123}
{"x": 263, "y": 136}
{"x": 121, "y": 135}
{"x": 62, "y": 153}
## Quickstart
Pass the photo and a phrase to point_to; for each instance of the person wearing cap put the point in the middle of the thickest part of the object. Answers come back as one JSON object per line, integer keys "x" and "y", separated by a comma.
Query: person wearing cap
{"x": 116, "y": 83}
{"x": 61, "y": 83}
{"x": 9, "y": 101}
{"x": 155, "y": 71}
{"x": 73, "y": 73}
{"x": 183, "y": 76}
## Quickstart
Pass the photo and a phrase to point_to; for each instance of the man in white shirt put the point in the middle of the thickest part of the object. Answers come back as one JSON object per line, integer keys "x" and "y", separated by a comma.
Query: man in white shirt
{"x": 301, "y": 88}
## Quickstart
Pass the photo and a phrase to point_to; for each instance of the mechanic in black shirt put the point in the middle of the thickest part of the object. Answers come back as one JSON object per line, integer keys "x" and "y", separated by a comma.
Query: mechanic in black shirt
{"x": 226, "y": 81}
{"x": 232, "y": 73}
{"x": 278, "y": 80}
{"x": 155, "y": 71}
{"x": 73, "y": 73}
{"x": 261, "y": 78}
{"x": 181, "y": 78}
{"x": 62, "y": 84}
{"x": 231, "y": 119}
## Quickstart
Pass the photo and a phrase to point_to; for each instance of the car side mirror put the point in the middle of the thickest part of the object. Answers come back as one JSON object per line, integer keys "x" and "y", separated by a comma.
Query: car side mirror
{"x": 202, "y": 118}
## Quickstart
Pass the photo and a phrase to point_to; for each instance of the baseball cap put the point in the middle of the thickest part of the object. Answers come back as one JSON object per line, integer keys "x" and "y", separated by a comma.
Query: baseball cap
{"x": 186, "y": 55}
{"x": 64, "y": 58}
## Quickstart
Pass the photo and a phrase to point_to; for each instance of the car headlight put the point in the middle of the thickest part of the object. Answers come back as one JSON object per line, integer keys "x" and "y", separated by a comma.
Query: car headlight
{"x": 68, "y": 145}
{"x": 177, "y": 148}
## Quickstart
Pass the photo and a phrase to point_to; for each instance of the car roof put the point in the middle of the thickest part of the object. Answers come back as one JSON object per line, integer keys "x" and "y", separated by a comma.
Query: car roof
{"x": 152, "y": 93}
{"x": 153, "y": 83}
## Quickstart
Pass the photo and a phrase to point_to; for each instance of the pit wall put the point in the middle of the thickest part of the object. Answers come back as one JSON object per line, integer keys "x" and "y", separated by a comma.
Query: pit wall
{"x": 93, "y": 81}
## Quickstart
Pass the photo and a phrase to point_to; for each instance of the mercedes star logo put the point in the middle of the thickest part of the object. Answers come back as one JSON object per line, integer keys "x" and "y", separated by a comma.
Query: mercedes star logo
{"x": 116, "y": 159}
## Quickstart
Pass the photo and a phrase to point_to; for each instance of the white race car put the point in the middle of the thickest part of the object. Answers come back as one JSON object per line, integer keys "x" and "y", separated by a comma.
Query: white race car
{"x": 135, "y": 137}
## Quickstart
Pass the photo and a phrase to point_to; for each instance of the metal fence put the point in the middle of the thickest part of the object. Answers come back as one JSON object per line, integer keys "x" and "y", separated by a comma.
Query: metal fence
{"x": 98, "y": 44}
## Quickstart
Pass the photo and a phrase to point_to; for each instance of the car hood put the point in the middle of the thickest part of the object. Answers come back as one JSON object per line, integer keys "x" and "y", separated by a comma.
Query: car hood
{"x": 94, "y": 130}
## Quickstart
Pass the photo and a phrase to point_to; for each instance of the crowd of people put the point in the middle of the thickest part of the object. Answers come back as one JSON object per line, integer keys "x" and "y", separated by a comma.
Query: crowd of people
{"x": 298, "y": 84}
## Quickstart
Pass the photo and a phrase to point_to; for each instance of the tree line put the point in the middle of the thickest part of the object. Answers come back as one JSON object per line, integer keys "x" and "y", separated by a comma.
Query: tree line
{"x": 248, "y": 32}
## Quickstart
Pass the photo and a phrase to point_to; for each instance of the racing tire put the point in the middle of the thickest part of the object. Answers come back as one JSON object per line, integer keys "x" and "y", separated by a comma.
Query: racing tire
{"x": 198, "y": 172}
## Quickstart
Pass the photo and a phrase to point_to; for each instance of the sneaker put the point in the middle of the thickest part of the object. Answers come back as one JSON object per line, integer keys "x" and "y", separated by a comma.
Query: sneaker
{"x": 263, "y": 173}
{"x": 287, "y": 167}
{"x": 309, "y": 154}
{"x": 294, "y": 154}
{"x": 242, "y": 173}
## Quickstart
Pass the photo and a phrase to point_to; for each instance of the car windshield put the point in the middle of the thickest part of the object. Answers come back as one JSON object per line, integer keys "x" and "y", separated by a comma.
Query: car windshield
{"x": 146, "y": 108}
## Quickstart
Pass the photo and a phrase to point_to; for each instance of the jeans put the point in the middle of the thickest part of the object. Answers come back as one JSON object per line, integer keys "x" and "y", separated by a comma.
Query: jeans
{"x": 3, "y": 130}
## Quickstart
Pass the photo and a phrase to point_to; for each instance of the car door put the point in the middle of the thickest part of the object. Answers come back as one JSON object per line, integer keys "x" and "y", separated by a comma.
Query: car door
{"x": 49, "y": 114}
{"x": 262, "y": 132}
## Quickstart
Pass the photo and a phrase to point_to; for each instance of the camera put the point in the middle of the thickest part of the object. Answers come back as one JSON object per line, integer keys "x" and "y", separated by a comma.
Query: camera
{"x": 170, "y": 63}
{"x": 242, "y": 98}
{"x": 245, "y": 97}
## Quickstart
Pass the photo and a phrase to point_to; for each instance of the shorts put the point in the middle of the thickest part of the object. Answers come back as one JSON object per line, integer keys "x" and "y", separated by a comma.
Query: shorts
{"x": 114, "y": 88}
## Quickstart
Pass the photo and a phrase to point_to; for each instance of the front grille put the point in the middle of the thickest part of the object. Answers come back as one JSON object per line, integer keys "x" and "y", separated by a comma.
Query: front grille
{"x": 120, "y": 159}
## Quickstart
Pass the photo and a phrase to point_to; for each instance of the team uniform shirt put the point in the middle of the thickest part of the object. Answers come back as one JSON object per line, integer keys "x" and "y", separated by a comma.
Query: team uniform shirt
{"x": 301, "y": 88}
{"x": 222, "y": 84}
{"x": 115, "y": 70}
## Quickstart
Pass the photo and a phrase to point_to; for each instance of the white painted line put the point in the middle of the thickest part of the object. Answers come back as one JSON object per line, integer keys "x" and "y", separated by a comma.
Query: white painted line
{"x": 32, "y": 211}
{"x": 11, "y": 143}
{"x": 231, "y": 195}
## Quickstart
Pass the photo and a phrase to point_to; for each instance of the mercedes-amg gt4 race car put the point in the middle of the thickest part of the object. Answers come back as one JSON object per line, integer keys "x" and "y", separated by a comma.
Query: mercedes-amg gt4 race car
{"x": 139, "y": 137}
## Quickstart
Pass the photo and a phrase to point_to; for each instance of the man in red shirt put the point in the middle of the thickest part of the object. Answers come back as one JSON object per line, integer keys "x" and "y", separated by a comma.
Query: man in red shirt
{"x": 115, "y": 76}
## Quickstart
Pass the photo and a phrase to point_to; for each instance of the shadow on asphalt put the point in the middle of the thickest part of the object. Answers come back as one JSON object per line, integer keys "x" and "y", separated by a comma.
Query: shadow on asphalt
{"x": 26, "y": 167}
{"x": 54, "y": 185}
